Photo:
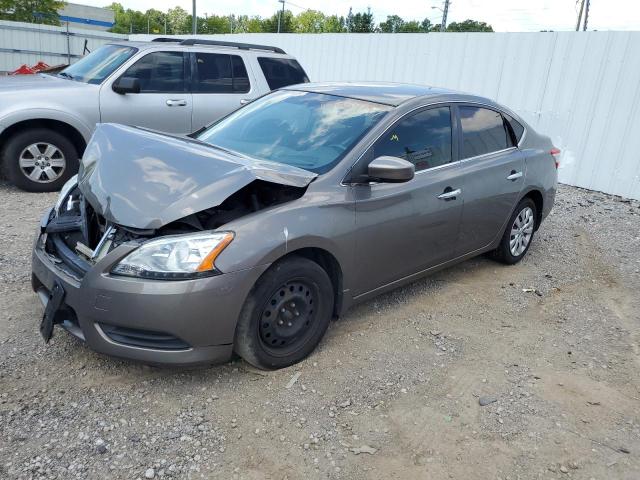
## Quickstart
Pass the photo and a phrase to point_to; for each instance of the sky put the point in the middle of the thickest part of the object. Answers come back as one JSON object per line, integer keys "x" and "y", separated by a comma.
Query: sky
{"x": 503, "y": 15}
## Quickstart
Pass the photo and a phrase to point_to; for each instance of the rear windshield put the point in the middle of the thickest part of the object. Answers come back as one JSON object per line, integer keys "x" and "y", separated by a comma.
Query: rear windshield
{"x": 302, "y": 129}
{"x": 282, "y": 72}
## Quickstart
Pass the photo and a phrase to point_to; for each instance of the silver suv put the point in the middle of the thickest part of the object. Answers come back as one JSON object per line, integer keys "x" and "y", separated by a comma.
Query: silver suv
{"x": 176, "y": 86}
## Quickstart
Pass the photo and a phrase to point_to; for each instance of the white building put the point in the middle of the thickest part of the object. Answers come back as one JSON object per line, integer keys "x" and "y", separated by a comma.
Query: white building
{"x": 87, "y": 17}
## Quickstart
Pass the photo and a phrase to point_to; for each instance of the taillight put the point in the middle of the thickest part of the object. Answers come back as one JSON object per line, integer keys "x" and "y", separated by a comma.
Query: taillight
{"x": 555, "y": 153}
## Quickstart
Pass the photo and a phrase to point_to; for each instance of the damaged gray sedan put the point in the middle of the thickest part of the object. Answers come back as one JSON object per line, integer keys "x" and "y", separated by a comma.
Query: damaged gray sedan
{"x": 250, "y": 235}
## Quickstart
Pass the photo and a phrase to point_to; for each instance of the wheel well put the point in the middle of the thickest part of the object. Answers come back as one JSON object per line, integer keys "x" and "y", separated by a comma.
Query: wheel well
{"x": 64, "y": 128}
{"x": 536, "y": 196}
{"x": 329, "y": 264}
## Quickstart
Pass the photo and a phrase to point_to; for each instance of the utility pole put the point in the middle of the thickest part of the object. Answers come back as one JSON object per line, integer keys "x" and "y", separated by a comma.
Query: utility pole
{"x": 443, "y": 25}
{"x": 580, "y": 15}
{"x": 165, "y": 23}
{"x": 194, "y": 19}
{"x": 586, "y": 15}
{"x": 148, "y": 23}
{"x": 281, "y": 16}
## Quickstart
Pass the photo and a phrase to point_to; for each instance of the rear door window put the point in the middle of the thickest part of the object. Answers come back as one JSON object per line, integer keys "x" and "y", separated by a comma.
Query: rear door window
{"x": 483, "y": 131}
{"x": 423, "y": 139}
{"x": 281, "y": 72}
{"x": 159, "y": 72}
{"x": 219, "y": 73}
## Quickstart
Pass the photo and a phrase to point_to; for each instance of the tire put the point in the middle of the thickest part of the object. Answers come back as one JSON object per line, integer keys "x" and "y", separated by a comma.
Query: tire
{"x": 521, "y": 226}
{"x": 53, "y": 156}
{"x": 269, "y": 334}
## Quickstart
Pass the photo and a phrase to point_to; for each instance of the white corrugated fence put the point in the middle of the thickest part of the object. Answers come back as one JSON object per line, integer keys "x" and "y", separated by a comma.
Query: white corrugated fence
{"x": 580, "y": 88}
{"x": 28, "y": 43}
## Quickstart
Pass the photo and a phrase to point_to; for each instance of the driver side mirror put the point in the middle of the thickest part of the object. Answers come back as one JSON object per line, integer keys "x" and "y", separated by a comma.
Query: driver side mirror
{"x": 126, "y": 85}
{"x": 391, "y": 170}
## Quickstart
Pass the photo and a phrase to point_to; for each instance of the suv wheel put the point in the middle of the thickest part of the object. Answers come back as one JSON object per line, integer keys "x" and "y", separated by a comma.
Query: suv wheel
{"x": 39, "y": 160}
{"x": 286, "y": 314}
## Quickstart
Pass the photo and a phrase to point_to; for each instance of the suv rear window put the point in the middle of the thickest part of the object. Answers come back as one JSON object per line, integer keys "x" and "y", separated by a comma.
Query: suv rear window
{"x": 281, "y": 72}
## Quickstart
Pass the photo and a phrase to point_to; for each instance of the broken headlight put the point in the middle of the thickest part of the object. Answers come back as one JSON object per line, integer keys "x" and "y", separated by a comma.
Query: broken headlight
{"x": 65, "y": 190}
{"x": 175, "y": 257}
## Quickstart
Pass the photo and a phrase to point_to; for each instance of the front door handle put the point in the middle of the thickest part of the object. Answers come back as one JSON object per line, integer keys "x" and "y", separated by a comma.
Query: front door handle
{"x": 244, "y": 101}
{"x": 176, "y": 103}
{"x": 514, "y": 175}
{"x": 450, "y": 194}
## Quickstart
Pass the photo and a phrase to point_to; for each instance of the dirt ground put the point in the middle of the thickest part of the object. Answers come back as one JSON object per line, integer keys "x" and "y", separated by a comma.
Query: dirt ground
{"x": 393, "y": 392}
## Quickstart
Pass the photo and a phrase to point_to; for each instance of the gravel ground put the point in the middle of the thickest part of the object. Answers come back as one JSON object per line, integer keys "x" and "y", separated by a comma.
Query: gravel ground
{"x": 461, "y": 375}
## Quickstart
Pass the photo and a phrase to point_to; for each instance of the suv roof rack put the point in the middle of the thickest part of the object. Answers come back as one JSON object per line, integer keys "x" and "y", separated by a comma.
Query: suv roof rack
{"x": 219, "y": 43}
{"x": 167, "y": 40}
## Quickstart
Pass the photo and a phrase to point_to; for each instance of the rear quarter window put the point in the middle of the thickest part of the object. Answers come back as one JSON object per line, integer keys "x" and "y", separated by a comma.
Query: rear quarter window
{"x": 516, "y": 128}
{"x": 281, "y": 72}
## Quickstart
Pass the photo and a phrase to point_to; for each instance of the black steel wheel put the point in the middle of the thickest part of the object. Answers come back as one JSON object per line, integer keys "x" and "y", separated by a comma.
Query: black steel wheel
{"x": 285, "y": 315}
{"x": 288, "y": 315}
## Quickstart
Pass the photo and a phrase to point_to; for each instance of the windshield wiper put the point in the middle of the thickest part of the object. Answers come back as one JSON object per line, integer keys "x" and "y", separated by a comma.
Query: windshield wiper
{"x": 66, "y": 75}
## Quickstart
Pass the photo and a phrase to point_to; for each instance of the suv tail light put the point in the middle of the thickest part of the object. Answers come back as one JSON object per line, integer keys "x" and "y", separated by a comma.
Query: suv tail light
{"x": 555, "y": 153}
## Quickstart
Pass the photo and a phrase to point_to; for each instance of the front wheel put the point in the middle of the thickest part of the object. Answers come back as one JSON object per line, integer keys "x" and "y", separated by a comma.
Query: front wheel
{"x": 39, "y": 160}
{"x": 286, "y": 314}
{"x": 519, "y": 233}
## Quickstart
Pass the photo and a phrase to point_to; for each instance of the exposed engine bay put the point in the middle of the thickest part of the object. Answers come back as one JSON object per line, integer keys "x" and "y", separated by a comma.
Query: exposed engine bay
{"x": 79, "y": 236}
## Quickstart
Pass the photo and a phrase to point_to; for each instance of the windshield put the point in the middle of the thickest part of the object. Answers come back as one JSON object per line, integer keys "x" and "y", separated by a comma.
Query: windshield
{"x": 99, "y": 64}
{"x": 306, "y": 130}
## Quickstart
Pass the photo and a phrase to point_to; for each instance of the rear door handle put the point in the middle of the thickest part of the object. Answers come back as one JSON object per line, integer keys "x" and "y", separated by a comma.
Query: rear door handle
{"x": 244, "y": 101}
{"x": 176, "y": 103}
{"x": 450, "y": 194}
{"x": 514, "y": 175}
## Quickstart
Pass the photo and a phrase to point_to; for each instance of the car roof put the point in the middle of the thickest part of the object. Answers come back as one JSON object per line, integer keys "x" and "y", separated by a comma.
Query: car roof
{"x": 175, "y": 45}
{"x": 380, "y": 92}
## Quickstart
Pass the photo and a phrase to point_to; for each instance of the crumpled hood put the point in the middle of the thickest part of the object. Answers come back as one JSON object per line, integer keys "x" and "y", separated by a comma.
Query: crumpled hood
{"x": 143, "y": 179}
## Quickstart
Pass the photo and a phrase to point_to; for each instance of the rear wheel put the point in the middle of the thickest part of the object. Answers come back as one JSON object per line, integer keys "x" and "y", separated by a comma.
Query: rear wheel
{"x": 286, "y": 314}
{"x": 39, "y": 160}
{"x": 519, "y": 233}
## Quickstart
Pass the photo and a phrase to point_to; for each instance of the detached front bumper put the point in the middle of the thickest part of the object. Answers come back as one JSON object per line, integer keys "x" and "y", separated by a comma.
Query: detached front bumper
{"x": 154, "y": 321}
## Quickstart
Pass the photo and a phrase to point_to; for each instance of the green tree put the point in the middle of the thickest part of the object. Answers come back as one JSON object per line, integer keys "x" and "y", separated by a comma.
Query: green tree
{"x": 215, "y": 24}
{"x": 287, "y": 24}
{"x": 310, "y": 21}
{"x": 469, "y": 26}
{"x": 363, "y": 23}
{"x": 334, "y": 24}
{"x": 178, "y": 21}
{"x": 155, "y": 21}
{"x": 128, "y": 21}
{"x": 247, "y": 24}
{"x": 393, "y": 24}
{"x": 33, "y": 11}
